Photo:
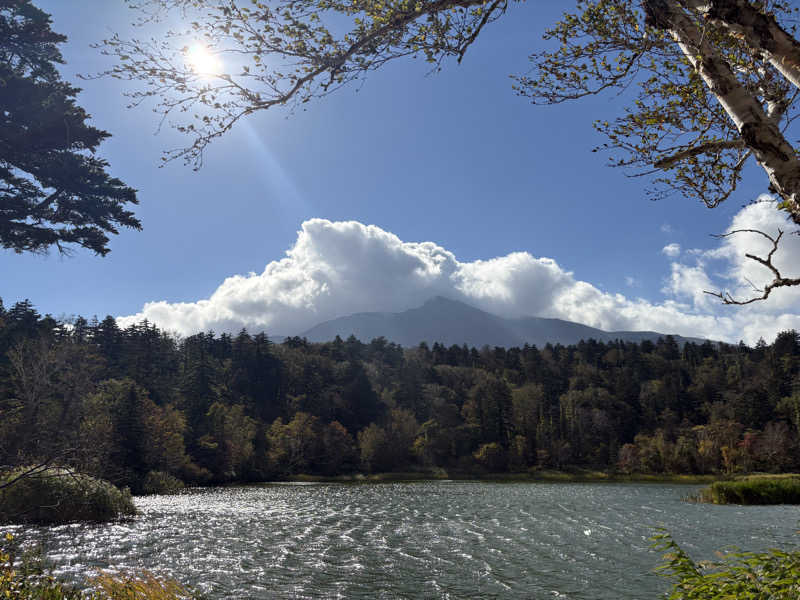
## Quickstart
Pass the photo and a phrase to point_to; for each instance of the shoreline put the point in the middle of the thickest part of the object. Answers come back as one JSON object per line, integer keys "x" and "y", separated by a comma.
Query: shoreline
{"x": 536, "y": 477}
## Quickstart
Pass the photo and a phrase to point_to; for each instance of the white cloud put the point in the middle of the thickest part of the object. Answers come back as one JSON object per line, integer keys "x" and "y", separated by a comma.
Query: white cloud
{"x": 727, "y": 269}
{"x": 667, "y": 228}
{"x": 671, "y": 250}
{"x": 339, "y": 268}
{"x": 690, "y": 282}
{"x": 630, "y": 281}
{"x": 742, "y": 273}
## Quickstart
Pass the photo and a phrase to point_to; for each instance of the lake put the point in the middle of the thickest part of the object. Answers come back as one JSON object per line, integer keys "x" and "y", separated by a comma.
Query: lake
{"x": 442, "y": 539}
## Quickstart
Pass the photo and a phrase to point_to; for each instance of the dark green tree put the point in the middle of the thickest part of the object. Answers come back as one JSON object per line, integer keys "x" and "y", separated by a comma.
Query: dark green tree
{"x": 53, "y": 189}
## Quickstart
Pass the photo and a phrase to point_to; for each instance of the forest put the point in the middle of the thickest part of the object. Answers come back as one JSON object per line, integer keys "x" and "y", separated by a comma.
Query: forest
{"x": 140, "y": 404}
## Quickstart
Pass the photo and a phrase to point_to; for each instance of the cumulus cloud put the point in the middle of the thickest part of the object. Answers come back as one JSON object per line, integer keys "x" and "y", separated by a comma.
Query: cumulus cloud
{"x": 743, "y": 274}
{"x": 727, "y": 269}
{"x": 671, "y": 250}
{"x": 339, "y": 268}
{"x": 690, "y": 282}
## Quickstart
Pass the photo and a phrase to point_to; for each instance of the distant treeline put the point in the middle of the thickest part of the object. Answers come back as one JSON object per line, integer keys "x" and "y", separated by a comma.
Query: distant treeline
{"x": 128, "y": 404}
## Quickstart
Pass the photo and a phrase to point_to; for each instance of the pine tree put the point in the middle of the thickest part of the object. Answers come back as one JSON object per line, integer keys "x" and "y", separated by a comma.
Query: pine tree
{"x": 53, "y": 189}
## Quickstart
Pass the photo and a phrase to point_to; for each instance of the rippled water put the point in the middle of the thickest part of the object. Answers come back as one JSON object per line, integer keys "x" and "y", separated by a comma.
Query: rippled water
{"x": 416, "y": 540}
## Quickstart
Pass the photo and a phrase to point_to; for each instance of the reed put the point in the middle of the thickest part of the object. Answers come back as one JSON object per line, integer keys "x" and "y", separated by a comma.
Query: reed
{"x": 137, "y": 586}
{"x": 753, "y": 490}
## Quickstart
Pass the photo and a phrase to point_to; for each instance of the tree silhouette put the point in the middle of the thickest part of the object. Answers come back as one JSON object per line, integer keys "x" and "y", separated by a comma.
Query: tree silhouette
{"x": 54, "y": 191}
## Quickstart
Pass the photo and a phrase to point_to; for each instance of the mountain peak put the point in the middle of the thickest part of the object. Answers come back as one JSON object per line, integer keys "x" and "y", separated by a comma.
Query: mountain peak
{"x": 447, "y": 321}
{"x": 441, "y": 300}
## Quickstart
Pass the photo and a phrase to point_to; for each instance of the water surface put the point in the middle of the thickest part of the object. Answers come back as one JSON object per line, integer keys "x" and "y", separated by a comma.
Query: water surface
{"x": 416, "y": 540}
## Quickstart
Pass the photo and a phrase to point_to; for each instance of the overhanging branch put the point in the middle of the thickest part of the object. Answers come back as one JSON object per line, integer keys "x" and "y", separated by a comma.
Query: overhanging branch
{"x": 709, "y": 147}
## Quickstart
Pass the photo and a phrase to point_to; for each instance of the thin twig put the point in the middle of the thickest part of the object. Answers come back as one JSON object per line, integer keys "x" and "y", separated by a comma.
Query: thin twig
{"x": 778, "y": 281}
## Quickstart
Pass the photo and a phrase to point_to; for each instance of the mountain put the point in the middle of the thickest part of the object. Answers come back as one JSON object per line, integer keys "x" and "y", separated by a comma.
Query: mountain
{"x": 451, "y": 322}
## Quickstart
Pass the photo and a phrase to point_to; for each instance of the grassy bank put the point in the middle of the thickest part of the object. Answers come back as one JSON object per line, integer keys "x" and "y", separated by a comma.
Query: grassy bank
{"x": 753, "y": 489}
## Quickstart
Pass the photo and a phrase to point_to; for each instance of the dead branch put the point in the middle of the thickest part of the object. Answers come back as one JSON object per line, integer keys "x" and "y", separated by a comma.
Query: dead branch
{"x": 778, "y": 281}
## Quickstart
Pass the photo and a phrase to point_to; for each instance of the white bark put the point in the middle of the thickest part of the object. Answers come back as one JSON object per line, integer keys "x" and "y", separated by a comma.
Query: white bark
{"x": 761, "y": 32}
{"x": 758, "y": 130}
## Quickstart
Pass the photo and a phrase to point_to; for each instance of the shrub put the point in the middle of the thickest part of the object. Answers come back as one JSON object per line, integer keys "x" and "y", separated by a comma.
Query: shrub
{"x": 771, "y": 575}
{"x": 56, "y": 495}
{"x": 755, "y": 490}
{"x": 159, "y": 482}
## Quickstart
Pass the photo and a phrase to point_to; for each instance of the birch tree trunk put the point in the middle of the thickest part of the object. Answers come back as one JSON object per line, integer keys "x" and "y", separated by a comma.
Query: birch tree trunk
{"x": 759, "y": 132}
{"x": 761, "y": 32}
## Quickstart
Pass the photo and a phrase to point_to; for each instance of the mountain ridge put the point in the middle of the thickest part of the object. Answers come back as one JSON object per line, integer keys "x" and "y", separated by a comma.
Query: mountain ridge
{"x": 449, "y": 322}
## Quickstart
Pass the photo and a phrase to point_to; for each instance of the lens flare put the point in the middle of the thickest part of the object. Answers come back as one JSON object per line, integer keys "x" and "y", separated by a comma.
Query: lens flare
{"x": 202, "y": 61}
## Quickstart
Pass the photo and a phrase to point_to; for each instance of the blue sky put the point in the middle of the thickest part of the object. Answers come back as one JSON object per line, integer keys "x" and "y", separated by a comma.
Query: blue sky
{"x": 453, "y": 158}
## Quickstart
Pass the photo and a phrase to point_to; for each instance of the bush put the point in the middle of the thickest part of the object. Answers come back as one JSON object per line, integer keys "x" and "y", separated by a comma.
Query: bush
{"x": 56, "y": 495}
{"x": 159, "y": 482}
{"x": 771, "y": 575}
{"x": 753, "y": 490}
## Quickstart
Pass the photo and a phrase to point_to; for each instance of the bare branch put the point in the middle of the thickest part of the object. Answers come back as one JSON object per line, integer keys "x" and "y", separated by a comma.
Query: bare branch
{"x": 41, "y": 467}
{"x": 778, "y": 281}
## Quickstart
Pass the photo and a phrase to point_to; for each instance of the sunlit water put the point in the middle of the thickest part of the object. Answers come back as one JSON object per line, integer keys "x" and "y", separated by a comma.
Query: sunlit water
{"x": 415, "y": 540}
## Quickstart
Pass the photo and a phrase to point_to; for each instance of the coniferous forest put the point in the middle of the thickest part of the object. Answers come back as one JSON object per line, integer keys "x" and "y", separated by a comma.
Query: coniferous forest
{"x": 139, "y": 405}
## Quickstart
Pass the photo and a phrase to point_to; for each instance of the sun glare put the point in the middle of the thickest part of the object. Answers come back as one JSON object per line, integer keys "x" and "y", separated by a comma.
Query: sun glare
{"x": 202, "y": 61}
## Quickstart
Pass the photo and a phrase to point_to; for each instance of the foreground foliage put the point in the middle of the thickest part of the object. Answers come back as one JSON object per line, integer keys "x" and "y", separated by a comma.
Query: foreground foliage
{"x": 25, "y": 577}
{"x": 55, "y": 495}
{"x": 27, "y": 581}
{"x": 137, "y": 586}
{"x": 770, "y": 575}
{"x": 753, "y": 490}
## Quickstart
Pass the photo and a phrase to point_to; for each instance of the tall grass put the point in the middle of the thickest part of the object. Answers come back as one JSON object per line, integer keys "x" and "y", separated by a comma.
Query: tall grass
{"x": 753, "y": 490}
{"x": 137, "y": 586}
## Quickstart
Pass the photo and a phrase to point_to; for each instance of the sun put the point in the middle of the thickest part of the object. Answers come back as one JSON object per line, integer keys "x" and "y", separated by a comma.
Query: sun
{"x": 202, "y": 61}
